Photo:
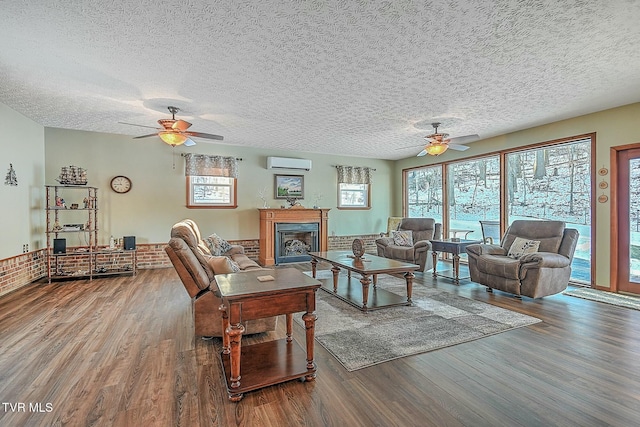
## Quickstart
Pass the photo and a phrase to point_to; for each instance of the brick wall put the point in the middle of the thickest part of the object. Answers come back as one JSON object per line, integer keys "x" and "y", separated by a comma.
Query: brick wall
{"x": 23, "y": 269}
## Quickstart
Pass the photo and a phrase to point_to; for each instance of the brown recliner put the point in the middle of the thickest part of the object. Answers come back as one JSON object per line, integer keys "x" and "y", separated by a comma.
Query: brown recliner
{"x": 423, "y": 230}
{"x": 189, "y": 254}
{"x": 537, "y": 274}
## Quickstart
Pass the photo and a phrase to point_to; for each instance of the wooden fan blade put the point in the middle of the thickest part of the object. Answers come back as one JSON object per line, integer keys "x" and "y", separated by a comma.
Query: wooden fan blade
{"x": 145, "y": 136}
{"x": 142, "y": 126}
{"x": 422, "y": 153}
{"x": 457, "y": 147}
{"x": 204, "y": 135}
{"x": 464, "y": 139}
{"x": 189, "y": 143}
{"x": 181, "y": 125}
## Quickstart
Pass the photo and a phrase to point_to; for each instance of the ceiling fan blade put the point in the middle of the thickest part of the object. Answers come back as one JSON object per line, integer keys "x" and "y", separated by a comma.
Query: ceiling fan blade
{"x": 204, "y": 135}
{"x": 189, "y": 143}
{"x": 464, "y": 139}
{"x": 458, "y": 147}
{"x": 181, "y": 125}
{"x": 422, "y": 153}
{"x": 142, "y": 126}
{"x": 145, "y": 136}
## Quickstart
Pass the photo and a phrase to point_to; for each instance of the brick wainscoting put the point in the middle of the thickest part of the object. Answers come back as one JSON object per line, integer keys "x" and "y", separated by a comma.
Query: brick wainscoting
{"x": 23, "y": 269}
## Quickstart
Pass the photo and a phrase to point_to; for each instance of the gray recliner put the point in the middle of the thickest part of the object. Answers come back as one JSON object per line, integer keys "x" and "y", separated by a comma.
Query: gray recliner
{"x": 423, "y": 230}
{"x": 537, "y": 274}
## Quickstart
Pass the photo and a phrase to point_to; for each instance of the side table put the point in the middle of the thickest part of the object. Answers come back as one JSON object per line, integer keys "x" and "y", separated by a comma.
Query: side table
{"x": 244, "y": 297}
{"x": 453, "y": 247}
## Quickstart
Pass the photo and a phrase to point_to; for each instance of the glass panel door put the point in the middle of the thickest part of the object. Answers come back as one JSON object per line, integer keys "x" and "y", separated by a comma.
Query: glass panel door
{"x": 629, "y": 221}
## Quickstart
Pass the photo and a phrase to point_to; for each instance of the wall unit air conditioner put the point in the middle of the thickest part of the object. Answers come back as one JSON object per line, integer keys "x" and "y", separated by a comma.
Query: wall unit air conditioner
{"x": 287, "y": 163}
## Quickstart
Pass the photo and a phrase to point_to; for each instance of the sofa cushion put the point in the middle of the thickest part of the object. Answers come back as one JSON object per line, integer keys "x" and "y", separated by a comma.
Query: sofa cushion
{"x": 217, "y": 245}
{"x": 500, "y": 266}
{"x": 402, "y": 238}
{"x": 521, "y": 247}
{"x": 223, "y": 265}
{"x": 402, "y": 253}
{"x": 244, "y": 262}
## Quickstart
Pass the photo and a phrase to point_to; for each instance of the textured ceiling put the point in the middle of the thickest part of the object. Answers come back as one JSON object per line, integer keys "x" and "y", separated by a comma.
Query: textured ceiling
{"x": 338, "y": 77}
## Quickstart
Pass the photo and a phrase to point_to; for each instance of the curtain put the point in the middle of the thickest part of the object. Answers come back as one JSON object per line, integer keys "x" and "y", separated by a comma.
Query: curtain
{"x": 203, "y": 165}
{"x": 354, "y": 175}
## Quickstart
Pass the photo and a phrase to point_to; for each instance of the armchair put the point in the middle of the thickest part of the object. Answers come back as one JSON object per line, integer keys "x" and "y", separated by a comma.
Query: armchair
{"x": 530, "y": 270}
{"x": 419, "y": 251}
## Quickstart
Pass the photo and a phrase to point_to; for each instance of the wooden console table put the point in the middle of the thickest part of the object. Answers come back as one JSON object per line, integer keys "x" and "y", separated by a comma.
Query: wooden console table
{"x": 244, "y": 297}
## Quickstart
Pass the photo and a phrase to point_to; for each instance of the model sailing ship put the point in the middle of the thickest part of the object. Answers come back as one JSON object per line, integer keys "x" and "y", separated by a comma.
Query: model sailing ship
{"x": 72, "y": 175}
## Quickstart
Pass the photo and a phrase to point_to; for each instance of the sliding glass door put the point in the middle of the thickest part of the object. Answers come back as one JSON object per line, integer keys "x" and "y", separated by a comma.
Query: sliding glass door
{"x": 554, "y": 183}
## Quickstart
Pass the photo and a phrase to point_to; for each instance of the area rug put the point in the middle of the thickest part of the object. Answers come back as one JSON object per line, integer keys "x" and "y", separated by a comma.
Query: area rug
{"x": 606, "y": 297}
{"x": 437, "y": 319}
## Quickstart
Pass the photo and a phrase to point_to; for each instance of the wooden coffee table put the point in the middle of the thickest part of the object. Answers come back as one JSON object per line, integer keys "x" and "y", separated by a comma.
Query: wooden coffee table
{"x": 455, "y": 247}
{"x": 369, "y": 265}
{"x": 244, "y": 297}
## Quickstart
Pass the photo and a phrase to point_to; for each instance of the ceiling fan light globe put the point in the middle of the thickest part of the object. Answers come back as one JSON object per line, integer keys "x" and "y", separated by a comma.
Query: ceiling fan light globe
{"x": 436, "y": 148}
{"x": 172, "y": 138}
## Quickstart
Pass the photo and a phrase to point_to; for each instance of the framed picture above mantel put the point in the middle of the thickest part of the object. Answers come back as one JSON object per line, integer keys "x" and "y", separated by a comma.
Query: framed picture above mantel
{"x": 289, "y": 186}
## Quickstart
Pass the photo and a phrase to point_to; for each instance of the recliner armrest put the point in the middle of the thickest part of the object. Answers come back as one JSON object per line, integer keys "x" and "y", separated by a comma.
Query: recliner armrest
{"x": 544, "y": 259}
{"x": 422, "y": 245}
{"x": 384, "y": 241}
{"x": 484, "y": 249}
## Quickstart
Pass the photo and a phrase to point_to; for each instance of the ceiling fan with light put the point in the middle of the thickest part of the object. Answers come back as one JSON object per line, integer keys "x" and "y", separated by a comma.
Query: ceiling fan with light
{"x": 174, "y": 132}
{"x": 438, "y": 143}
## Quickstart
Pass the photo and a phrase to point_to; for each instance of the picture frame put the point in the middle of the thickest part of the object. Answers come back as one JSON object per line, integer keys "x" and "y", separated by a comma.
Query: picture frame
{"x": 289, "y": 186}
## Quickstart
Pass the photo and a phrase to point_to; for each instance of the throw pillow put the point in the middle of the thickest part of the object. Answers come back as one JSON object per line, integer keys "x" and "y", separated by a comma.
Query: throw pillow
{"x": 223, "y": 265}
{"x": 403, "y": 238}
{"x": 217, "y": 245}
{"x": 521, "y": 247}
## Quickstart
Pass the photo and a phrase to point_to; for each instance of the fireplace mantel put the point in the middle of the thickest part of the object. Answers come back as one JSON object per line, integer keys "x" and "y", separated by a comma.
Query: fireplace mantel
{"x": 270, "y": 217}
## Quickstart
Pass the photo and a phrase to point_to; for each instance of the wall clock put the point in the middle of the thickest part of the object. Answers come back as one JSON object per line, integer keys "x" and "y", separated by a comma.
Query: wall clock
{"x": 121, "y": 184}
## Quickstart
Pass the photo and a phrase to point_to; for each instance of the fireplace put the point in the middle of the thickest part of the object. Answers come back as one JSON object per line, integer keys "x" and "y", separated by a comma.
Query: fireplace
{"x": 294, "y": 241}
{"x": 311, "y": 220}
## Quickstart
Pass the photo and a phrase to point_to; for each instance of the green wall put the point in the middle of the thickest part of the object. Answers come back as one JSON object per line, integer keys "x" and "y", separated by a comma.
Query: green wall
{"x": 22, "y": 213}
{"x": 157, "y": 199}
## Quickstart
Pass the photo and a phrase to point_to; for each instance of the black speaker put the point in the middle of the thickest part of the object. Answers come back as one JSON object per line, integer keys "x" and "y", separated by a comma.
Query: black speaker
{"x": 59, "y": 246}
{"x": 129, "y": 243}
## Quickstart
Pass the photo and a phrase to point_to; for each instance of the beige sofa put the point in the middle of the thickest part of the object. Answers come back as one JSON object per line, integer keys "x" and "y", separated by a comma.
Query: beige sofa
{"x": 195, "y": 264}
{"x": 537, "y": 274}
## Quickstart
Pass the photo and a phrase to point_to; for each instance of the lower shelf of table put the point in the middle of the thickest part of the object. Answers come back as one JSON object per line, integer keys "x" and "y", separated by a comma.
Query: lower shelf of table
{"x": 267, "y": 363}
{"x": 350, "y": 291}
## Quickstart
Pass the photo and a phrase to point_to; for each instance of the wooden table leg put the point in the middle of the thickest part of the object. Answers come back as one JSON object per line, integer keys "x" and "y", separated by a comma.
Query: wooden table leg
{"x": 314, "y": 265}
{"x": 408, "y": 276}
{"x": 365, "y": 291}
{"x": 336, "y": 271}
{"x": 289, "y": 317}
{"x": 456, "y": 269}
{"x": 435, "y": 262}
{"x": 235, "y": 337}
{"x": 225, "y": 326}
{"x": 310, "y": 325}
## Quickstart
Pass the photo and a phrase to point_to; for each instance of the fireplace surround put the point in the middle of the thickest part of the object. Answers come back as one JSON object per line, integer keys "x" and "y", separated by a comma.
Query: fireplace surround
{"x": 312, "y": 218}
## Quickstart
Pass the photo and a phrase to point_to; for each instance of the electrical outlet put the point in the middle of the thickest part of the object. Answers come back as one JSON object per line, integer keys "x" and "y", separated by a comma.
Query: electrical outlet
{"x": 25, "y": 248}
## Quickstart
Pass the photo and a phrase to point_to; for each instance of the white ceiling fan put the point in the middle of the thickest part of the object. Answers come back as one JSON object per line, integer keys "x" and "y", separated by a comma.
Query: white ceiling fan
{"x": 438, "y": 143}
{"x": 174, "y": 132}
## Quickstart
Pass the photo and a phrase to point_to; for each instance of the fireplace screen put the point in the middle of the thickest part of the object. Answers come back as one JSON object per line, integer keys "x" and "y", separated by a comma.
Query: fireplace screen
{"x": 293, "y": 242}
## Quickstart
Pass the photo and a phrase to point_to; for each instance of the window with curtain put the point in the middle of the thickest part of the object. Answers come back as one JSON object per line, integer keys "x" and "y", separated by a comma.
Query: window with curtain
{"x": 211, "y": 181}
{"x": 354, "y": 187}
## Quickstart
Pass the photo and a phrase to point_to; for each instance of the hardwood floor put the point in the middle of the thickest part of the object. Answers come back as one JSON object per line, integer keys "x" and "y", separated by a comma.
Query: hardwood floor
{"x": 121, "y": 352}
